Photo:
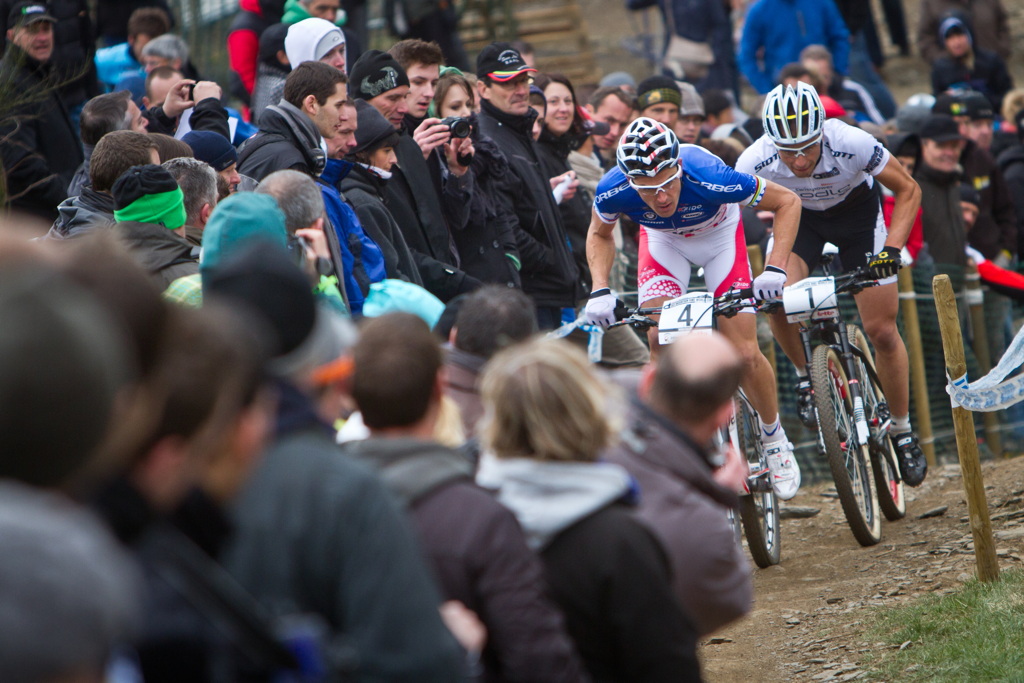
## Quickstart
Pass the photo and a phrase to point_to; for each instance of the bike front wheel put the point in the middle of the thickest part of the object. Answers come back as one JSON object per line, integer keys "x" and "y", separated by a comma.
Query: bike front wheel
{"x": 885, "y": 467}
{"x": 848, "y": 461}
{"x": 759, "y": 510}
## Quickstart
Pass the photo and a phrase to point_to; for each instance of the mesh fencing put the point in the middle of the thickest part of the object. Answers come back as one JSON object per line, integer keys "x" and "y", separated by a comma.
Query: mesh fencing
{"x": 204, "y": 26}
{"x": 1000, "y": 324}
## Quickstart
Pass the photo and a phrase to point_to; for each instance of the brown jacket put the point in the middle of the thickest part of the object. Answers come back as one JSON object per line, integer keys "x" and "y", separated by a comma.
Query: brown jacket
{"x": 686, "y": 509}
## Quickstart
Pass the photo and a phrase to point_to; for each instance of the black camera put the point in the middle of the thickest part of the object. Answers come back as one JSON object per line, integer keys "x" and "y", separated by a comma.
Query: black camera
{"x": 458, "y": 127}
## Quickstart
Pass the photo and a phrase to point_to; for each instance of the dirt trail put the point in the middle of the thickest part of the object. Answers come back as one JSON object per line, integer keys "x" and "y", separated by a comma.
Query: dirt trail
{"x": 804, "y": 625}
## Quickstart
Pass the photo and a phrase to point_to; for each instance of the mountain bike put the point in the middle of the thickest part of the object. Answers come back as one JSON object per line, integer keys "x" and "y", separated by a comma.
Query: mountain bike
{"x": 851, "y": 410}
{"x": 695, "y": 313}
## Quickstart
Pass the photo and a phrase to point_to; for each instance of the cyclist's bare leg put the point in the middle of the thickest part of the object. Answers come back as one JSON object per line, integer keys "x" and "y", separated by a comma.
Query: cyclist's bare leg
{"x": 878, "y": 307}
{"x": 787, "y": 333}
{"x": 758, "y": 379}
{"x": 652, "y": 332}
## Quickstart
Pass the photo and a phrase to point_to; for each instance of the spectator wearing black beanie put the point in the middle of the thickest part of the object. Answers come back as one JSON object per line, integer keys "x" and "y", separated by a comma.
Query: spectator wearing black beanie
{"x": 415, "y": 194}
{"x": 364, "y": 188}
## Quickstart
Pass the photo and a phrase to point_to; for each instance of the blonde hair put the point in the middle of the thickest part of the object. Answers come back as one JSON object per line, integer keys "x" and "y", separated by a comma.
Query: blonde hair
{"x": 543, "y": 400}
{"x": 448, "y": 429}
{"x": 1013, "y": 102}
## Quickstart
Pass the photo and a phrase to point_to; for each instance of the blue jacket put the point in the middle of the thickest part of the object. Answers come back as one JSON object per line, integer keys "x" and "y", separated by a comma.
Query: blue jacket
{"x": 116, "y": 64}
{"x": 361, "y": 258}
{"x": 784, "y": 28}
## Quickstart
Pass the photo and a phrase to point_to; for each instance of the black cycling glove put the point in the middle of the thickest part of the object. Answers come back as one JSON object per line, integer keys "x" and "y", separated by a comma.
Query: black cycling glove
{"x": 885, "y": 263}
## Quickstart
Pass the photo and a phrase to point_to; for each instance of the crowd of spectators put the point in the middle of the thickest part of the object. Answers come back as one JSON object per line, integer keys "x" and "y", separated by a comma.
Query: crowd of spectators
{"x": 275, "y": 400}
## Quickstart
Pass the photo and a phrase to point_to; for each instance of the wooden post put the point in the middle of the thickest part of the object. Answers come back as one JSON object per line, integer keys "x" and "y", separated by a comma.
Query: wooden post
{"x": 756, "y": 266}
{"x": 915, "y": 349}
{"x": 976, "y": 305}
{"x": 966, "y": 439}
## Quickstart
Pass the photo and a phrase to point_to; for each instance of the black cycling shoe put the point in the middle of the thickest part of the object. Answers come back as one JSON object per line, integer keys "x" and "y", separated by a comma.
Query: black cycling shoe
{"x": 913, "y": 466}
{"x": 805, "y": 404}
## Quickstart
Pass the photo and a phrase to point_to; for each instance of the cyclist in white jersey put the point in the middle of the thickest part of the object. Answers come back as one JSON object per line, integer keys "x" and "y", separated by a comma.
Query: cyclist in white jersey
{"x": 833, "y": 167}
{"x": 685, "y": 200}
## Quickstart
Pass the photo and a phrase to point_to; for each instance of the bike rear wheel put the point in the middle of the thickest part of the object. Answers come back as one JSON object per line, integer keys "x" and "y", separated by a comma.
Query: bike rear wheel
{"x": 891, "y": 498}
{"x": 848, "y": 461}
{"x": 759, "y": 510}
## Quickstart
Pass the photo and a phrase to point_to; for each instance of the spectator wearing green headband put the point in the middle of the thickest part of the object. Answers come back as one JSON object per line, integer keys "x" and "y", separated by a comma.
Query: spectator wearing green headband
{"x": 149, "y": 211}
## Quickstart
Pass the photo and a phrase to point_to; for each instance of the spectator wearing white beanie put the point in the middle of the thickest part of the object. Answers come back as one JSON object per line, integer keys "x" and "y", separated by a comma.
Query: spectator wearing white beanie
{"x": 315, "y": 40}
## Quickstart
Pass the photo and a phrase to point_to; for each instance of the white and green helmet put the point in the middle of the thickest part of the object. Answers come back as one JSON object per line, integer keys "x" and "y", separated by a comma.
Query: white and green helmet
{"x": 792, "y": 116}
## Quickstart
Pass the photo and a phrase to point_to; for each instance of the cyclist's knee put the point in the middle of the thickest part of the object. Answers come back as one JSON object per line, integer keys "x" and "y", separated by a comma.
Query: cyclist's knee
{"x": 884, "y": 334}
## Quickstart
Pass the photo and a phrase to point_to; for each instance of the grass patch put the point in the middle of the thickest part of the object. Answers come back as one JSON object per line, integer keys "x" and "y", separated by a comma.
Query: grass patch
{"x": 975, "y": 634}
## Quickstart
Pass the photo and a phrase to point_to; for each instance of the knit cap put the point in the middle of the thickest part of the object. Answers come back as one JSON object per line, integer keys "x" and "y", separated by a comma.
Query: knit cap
{"x": 954, "y": 24}
{"x": 242, "y": 218}
{"x": 374, "y": 73}
{"x": 311, "y": 39}
{"x": 149, "y": 194}
{"x": 271, "y": 42}
{"x": 657, "y": 89}
{"x": 371, "y": 127}
{"x": 213, "y": 148}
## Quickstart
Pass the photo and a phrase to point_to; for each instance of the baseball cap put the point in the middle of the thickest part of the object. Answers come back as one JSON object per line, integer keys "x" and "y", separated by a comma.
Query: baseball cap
{"x": 501, "y": 62}
{"x": 950, "y": 103}
{"x": 977, "y": 105}
{"x": 26, "y": 13}
{"x": 940, "y": 128}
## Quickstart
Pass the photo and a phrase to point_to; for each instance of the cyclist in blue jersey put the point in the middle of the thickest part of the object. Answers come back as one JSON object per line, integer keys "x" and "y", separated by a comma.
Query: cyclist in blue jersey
{"x": 685, "y": 200}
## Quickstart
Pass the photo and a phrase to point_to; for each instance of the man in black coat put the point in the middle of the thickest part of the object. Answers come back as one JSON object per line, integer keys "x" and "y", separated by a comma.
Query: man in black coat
{"x": 412, "y": 196}
{"x": 38, "y": 144}
{"x": 74, "y": 44}
{"x": 549, "y": 273}
{"x": 292, "y": 131}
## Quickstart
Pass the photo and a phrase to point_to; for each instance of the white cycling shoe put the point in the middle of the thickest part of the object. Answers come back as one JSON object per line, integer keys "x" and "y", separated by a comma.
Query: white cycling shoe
{"x": 784, "y": 468}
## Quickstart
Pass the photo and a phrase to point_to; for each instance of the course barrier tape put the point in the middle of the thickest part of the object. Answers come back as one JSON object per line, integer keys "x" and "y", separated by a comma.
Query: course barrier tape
{"x": 991, "y": 393}
{"x": 595, "y": 335}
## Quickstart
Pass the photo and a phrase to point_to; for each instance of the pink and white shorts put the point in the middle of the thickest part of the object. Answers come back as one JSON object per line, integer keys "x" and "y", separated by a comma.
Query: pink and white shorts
{"x": 666, "y": 258}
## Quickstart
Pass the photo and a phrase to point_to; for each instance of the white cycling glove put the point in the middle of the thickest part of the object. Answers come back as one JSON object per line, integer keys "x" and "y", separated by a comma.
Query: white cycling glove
{"x": 769, "y": 284}
{"x": 601, "y": 308}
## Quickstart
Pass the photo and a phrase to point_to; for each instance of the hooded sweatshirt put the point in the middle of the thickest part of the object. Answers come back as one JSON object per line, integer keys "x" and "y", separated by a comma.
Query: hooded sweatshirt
{"x": 604, "y": 569}
{"x": 549, "y": 497}
{"x": 784, "y": 28}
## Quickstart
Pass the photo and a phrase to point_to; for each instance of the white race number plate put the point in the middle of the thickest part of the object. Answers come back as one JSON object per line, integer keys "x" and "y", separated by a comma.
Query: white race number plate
{"x": 687, "y": 314}
{"x": 813, "y": 298}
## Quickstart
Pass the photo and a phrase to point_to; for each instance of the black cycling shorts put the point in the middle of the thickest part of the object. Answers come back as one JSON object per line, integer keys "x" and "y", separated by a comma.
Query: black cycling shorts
{"x": 855, "y": 225}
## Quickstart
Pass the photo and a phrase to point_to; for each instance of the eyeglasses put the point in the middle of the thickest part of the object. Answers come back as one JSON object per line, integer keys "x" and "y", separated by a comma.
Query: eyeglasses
{"x": 653, "y": 190}
{"x": 799, "y": 151}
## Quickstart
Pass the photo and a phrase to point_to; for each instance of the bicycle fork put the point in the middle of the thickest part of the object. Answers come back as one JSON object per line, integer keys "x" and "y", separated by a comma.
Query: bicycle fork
{"x": 862, "y": 435}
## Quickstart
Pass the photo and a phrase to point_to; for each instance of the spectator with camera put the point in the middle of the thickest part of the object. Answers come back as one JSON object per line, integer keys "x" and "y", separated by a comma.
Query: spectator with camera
{"x": 549, "y": 273}
{"x": 486, "y": 236}
{"x": 415, "y": 195}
